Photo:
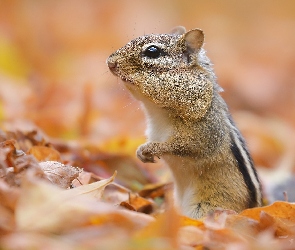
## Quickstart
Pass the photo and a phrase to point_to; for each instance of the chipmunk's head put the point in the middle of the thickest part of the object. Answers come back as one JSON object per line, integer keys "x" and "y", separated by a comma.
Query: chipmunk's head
{"x": 170, "y": 70}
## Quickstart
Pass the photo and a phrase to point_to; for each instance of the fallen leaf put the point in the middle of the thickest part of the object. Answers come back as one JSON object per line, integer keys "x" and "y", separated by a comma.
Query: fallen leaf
{"x": 94, "y": 189}
{"x": 245, "y": 226}
{"x": 8, "y": 195}
{"x": 7, "y": 221}
{"x": 280, "y": 226}
{"x": 165, "y": 226}
{"x": 278, "y": 209}
{"x": 137, "y": 203}
{"x": 47, "y": 208}
{"x": 42, "y": 153}
{"x": 155, "y": 190}
{"x": 186, "y": 221}
{"x": 217, "y": 218}
{"x": 82, "y": 179}
{"x": 223, "y": 239}
{"x": 60, "y": 174}
{"x": 34, "y": 240}
{"x": 191, "y": 236}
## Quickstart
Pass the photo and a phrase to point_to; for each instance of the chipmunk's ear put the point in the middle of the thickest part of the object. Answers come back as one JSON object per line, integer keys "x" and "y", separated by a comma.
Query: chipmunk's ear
{"x": 194, "y": 40}
{"x": 179, "y": 30}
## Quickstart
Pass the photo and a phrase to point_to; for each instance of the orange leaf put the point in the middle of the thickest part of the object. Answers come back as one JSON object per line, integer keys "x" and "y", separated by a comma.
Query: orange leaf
{"x": 278, "y": 209}
{"x": 138, "y": 203}
{"x": 186, "y": 221}
{"x": 43, "y": 153}
{"x": 166, "y": 226}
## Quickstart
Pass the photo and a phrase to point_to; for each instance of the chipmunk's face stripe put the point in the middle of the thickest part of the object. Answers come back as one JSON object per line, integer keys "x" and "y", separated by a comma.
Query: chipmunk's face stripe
{"x": 245, "y": 165}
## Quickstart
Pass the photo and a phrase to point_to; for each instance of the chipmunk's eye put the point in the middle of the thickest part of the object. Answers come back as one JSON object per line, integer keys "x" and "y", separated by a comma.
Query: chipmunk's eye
{"x": 152, "y": 52}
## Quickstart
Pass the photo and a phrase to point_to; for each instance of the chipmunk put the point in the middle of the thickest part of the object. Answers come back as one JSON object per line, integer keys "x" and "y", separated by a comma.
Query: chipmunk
{"x": 188, "y": 123}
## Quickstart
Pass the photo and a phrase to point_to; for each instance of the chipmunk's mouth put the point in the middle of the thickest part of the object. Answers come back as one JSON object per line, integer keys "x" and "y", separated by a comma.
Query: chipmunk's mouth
{"x": 125, "y": 80}
{"x": 113, "y": 66}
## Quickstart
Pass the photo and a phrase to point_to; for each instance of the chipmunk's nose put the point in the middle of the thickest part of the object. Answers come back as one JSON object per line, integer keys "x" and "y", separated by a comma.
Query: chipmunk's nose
{"x": 112, "y": 63}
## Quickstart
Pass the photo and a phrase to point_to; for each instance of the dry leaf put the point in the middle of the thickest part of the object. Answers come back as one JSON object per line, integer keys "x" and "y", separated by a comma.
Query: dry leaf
{"x": 278, "y": 209}
{"x": 7, "y": 221}
{"x": 94, "y": 189}
{"x": 155, "y": 190}
{"x": 223, "y": 239}
{"x": 83, "y": 179}
{"x": 247, "y": 227}
{"x": 191, "y": 236}
{"x": 281, "y": 226}
{"x": 15, "y": 163}
{"x": 217, "y": 218}
{"x": 60, "y": 174}
{"x": 137, "y": 203}
{"x": 8, "y": 195}
{"x": 186, "y": 221}
{"x": 166, "y": 226}
{"x": 34, "y": 240}
{"x": 115, "y": 194}
{"x": 42, "y": 153}
{"x": 45, "y": 207}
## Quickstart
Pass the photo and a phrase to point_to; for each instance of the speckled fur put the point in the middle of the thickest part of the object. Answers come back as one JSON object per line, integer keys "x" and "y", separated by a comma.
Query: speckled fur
{"x": 188, "y": 121}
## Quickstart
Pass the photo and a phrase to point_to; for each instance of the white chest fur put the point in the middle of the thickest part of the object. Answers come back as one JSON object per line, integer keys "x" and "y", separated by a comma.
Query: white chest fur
{"x": 159, "y": 126}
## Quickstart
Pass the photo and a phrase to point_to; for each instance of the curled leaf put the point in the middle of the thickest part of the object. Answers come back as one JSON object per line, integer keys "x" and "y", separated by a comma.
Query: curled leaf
{"x": 60, "y": 174}
{"x": 94, "y": 189}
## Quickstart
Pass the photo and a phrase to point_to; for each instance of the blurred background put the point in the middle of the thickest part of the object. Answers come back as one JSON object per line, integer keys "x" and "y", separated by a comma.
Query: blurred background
{"x": 53, "y": 73}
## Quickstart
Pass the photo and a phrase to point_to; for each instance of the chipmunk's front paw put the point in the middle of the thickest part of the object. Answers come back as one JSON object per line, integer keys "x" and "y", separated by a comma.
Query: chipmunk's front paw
{"x": 146, "y": 152}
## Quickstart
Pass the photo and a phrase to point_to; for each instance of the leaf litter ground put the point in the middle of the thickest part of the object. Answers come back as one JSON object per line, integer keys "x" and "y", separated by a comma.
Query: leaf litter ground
{"x": 50, "y": 203}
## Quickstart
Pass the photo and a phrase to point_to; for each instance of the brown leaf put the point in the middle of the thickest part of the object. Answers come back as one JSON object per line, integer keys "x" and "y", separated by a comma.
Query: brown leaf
{"x": 155, "y": 190}
{"x": 7, "y": 222}
{"x": 137, "y": 203}
{"x": 8, "y": 200}
{"x": 60, "y": 174}
{"x": 42, "y": 153}
{"x": 8, "y": 195}
{"x": 9, "y": 152}
{"x": 48, "y": 209}
{"x": 22, "y": 165}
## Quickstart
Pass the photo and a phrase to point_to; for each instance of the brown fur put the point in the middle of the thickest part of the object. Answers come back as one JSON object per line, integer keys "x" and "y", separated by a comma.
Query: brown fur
{"x": 189, "y": 125}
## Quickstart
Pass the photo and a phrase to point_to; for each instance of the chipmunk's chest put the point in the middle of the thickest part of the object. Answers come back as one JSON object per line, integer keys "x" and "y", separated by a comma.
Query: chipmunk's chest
{"x": 159, "y": 125}
{"x": 158, "y": 129}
